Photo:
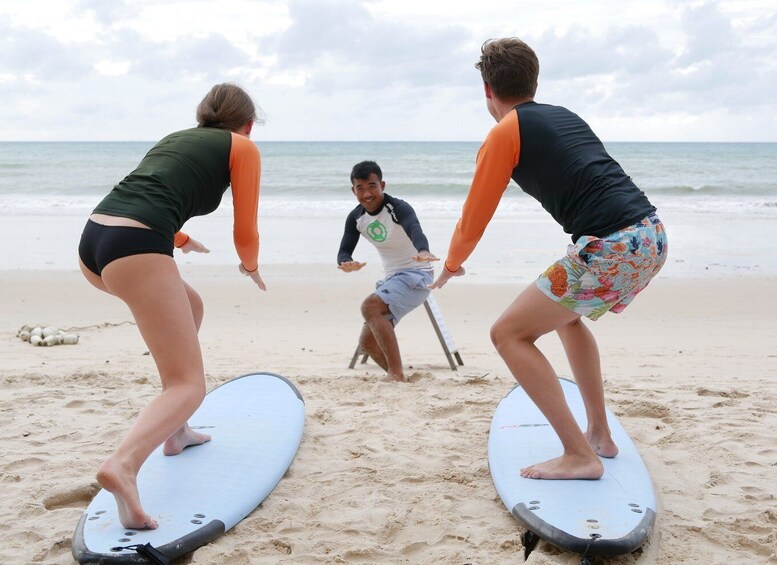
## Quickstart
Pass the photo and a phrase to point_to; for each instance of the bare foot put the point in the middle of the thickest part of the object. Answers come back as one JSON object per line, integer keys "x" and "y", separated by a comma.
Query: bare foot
{"x": 182, "y": 439}
{"x": 602, "y": 444}
{"x": 121, "y": 483}
{"x": 389, "y": 378}
{"x": 565, "y": 467}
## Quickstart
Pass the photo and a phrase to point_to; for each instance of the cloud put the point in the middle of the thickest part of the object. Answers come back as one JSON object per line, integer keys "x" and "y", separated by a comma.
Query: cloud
{"x": 211, "y": 57}
{"x": 36, "y": 55}
{"x": 341, "y": 44}
{"x": 581, "y": 52}
{"x": 714, "y": 62}
{"x": 720, "y": 66}
{"x": 708, "y": 32}
{"x": 107, "y": 13}
{"x": 39, "y": 56}
{"x": 353, "y": 69}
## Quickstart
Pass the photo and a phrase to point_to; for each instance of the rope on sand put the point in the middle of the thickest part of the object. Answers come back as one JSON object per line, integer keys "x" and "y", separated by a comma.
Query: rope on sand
{"x": 98, "y": 326}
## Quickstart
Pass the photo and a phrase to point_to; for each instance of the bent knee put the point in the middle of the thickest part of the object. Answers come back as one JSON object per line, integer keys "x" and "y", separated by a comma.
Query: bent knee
{"x": 195, "y": 300}
{"x": 373, "y": 306}
{"x": 498, "y": 334}
{"x": 572, "y": 328}
{"x": 196, "y": 303}
{"x": 503, "y": 333}
{"x": 191, "y": 384}
{"x": 199, "y": 389}
{"x": 194, "y": 391}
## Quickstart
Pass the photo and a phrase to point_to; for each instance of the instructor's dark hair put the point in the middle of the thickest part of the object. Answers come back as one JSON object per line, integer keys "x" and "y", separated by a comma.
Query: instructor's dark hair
{"x": 509, "y": 67}
{"x": 364, "y": 169}
{"x": 227, "y": 106}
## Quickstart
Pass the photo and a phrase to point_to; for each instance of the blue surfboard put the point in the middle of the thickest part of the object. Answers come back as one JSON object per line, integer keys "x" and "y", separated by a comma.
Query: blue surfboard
{"x": 612, "y": 516}
{"x": 256, "y": 423}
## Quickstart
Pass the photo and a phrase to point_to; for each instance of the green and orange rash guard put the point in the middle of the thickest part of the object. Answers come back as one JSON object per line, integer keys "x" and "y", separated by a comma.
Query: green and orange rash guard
{"x": 496, "y": 159}
{"x": 555, "y": 157}
{"x": 186, "y": 175}
{"x": 245, "y": 169}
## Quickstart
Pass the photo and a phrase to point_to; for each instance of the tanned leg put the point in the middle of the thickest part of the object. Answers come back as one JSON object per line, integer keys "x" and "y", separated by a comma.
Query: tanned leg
{"x": 369, "y": 346}
{"x": 185, "y": 436}
{"x": 583, "y": 354}
{"x": 151, "y": 286}
{"x": 530, "y": 316}
{"x": 374, "y": 311}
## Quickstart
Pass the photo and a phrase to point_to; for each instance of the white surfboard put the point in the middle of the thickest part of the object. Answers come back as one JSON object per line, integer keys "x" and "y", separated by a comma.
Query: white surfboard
{"x": 612, "y": 516}
{"x": 256, "y": 424}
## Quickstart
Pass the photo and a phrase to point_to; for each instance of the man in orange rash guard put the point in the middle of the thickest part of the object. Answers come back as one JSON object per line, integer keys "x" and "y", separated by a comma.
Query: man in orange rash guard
{"x": 126, "y": 250}
{"x": 619, "y": 245}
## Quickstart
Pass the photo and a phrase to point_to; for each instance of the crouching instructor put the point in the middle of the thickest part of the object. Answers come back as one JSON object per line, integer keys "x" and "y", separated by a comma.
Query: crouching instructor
{"x": 127, "y": 250}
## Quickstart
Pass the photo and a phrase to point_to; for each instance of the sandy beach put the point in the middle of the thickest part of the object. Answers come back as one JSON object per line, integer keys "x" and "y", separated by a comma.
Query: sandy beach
{"x": 397, "y": 473}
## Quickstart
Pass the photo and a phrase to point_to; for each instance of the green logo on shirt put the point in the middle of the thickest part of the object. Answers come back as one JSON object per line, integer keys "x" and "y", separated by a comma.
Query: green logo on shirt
{"x": 377, "y": 231}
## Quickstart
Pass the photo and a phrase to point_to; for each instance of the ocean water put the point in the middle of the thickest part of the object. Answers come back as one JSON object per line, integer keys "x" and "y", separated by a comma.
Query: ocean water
{"x": 718, "y": 201}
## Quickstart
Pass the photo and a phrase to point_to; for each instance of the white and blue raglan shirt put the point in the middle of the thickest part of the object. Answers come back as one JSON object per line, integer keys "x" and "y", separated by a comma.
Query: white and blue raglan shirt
{"x": 393, "y": 229}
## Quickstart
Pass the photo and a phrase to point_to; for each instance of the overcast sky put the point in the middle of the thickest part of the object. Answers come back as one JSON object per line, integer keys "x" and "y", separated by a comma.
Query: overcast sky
{"x": 636, "y": 70}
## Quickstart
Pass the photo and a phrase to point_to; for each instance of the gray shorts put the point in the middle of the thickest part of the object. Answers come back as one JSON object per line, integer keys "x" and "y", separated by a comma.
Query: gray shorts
{"x": 404, "y": 291}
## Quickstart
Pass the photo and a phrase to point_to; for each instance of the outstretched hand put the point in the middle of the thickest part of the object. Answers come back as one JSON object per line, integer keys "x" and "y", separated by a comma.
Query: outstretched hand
{"x": 194, "y": 245}
{"x": 254, "y": 276}
{"x": 445, "y": 276}
{"x": 424, "y": 256}
{"x": 349, "y": 266}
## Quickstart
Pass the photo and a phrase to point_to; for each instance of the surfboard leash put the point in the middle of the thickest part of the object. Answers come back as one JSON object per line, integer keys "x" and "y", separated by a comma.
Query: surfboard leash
{"x": 148, "y": 551}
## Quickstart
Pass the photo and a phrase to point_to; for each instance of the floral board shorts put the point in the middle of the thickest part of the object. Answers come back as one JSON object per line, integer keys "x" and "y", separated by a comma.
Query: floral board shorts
{"x": 600, "y": 275}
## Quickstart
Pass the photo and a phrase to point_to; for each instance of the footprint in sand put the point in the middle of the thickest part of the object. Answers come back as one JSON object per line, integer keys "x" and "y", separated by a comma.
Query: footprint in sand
{"x": 416, "y": 376}
{"x": 78, "y": 497}
{"x": 702, "y": 391}
{"x": 444, "y": 411}
{"x": 25, "y": 464}
{"x": 281, "y": 546}
{"x": 644, "y": 409}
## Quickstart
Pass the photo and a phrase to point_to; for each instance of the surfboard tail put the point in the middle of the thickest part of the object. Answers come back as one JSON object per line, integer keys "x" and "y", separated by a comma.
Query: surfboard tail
{"x": 594, "y": 544}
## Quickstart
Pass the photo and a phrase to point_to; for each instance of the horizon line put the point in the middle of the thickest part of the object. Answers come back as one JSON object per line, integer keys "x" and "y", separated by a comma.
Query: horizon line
{"x": 358, "y": 141}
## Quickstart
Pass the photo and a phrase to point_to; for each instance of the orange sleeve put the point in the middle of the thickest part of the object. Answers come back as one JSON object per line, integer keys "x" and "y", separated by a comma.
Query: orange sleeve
{"x": 180, "y": 239}
{"x": 244, "y": 171}
{"x": 496, "y": 159}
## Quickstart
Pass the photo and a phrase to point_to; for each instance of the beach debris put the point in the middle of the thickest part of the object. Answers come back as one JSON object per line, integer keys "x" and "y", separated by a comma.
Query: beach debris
{"x": 46, "y": 335}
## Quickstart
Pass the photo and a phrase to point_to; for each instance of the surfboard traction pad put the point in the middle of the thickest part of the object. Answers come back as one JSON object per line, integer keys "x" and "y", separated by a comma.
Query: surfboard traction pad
{"x": 173, "y": 550}
{"x": 593, "y": 545}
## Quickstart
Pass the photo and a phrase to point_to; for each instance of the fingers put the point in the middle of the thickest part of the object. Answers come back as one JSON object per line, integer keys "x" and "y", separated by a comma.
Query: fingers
{"x": 424, "y": 258}
{"x": 445, "y": 276}
{"x": 441, "y": 280}
{"x": 255, "y": 276}
{"x": 349, "y": 266}
{"x": 194, "y": 245}
{"x": 258, "y": 280}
